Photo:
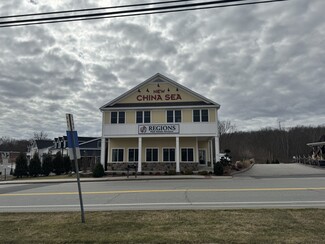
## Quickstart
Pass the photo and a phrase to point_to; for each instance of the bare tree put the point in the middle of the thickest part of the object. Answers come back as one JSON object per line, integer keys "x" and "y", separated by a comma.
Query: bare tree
{"x": 225, "y": 127}
{"x": 40, "y": 135}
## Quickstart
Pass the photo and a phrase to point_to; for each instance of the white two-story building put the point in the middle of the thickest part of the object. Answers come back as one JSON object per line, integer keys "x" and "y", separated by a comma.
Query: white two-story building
{"x": 160, "y": 125}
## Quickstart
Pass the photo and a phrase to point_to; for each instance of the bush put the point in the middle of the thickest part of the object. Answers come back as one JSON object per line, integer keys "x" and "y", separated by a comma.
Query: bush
{"x": 204, "y": 172}
{"x": 47, "y": 166}
{"x": 239, "y": 165}
{"x": 21, "y": 166}
{"x": 98, "y": 170}
{"x": 218, "y": 168}
{"x": 58, "y": 166}
{"x": 171, "y": 172}
{"x": 67, "y": 164}
{"x": 275, "y": 161}
{"x": 188, "y": 172}
{"x": 35, "y": 167}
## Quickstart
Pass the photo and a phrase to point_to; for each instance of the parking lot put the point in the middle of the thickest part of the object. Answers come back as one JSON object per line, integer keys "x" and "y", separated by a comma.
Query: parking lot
{"x": 282, "y": 170}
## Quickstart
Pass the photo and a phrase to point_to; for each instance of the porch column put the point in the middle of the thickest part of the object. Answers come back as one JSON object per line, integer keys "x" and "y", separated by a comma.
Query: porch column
{"x": 177, "y": 155}
{"x": 211, "y": 152}
{"x": 108, "y": 150}
{"x": 140, "y": 154}
{"x": 102, "y": 151}
{"x": 197, "y": 150}
{"x": 217, "y": 149}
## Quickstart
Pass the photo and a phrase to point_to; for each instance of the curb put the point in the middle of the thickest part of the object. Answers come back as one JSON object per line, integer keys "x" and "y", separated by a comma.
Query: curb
{"x": 59, "y": 181}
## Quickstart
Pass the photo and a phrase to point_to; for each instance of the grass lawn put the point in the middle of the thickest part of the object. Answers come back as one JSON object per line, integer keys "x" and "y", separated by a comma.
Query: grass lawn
{"x": 186, "y": 226}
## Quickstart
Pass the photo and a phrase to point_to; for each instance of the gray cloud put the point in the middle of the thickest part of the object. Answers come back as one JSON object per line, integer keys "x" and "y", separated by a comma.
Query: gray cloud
{"x": 263, "y": 64}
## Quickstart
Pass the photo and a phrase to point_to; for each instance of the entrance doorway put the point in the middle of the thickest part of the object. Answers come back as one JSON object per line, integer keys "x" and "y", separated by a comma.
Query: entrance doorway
{"x": 202, "y": 157}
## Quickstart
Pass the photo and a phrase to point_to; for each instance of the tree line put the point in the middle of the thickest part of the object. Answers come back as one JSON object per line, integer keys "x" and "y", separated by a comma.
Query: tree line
{"x": 268, "y": 144}
{"x": 58, "y": 165}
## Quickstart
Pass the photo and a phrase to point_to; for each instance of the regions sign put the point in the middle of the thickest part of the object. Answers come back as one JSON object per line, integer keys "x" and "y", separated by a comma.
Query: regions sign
{"x": 159, "y": 129}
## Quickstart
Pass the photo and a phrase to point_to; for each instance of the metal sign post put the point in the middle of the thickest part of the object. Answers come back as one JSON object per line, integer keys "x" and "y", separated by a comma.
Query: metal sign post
{"x": 73, "y": 143}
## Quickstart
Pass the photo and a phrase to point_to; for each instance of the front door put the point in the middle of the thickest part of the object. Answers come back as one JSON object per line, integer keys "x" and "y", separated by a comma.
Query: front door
{"x": 202, "y": 156}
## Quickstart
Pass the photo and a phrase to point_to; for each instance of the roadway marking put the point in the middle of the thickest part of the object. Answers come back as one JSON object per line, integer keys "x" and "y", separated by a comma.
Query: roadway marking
{"x": 166, "y": 191}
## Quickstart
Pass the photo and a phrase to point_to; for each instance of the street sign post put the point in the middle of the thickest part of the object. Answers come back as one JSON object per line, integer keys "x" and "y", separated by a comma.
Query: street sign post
{"x": 73, "y": 144}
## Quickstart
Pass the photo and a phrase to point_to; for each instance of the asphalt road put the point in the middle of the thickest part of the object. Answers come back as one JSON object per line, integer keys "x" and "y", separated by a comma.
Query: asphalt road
{"x": 246, "y": 191}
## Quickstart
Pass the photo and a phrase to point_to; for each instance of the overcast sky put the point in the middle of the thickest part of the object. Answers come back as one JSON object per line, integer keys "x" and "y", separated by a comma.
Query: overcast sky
{"x": 263, "y": 64}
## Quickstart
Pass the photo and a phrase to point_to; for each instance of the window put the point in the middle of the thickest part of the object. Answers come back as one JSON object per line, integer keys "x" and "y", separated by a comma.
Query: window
{"x": 204, "y": 115}
{"x": 117, "y": 117}
{"x": 187, "y": 155}
{"x": 133, "y": 155}
{"x": 196, "y": 115}
{"x": 118, "y": 155}
{"x": 201, "y": 115}
{"x": 169, "y": 154}
{"x": 152, "y": 154}
{"x": 174, "y": 116}
{"x": 143, "y": 117}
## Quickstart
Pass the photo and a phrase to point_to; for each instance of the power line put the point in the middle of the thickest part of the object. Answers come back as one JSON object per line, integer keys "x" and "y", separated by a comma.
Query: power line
{"x": 120, "y": 12}
{"x": 132, "y": 13}
{"x": 92, "y": 9}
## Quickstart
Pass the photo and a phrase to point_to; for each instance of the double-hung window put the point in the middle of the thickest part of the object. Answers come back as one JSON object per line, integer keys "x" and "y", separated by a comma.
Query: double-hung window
{"x": 187, "y": 155}
{"x": 200, "y": 115}
{"x": 118, "y": 155}
{"x": 169, "y": 154}
{"x": 174, "y": 116}
{"x": 117, "y": 117}
{"x": 133, "y": 154}
{"x": 143, "y": 117}
{"x": 152, "y": 154}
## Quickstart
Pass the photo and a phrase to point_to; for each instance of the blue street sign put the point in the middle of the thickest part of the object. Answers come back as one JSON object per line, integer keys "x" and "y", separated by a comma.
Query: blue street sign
{"x": 72, "y": 139}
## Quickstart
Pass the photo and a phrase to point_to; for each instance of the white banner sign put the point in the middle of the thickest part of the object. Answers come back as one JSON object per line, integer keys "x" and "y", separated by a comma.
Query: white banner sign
{"x": 159, "y": 129}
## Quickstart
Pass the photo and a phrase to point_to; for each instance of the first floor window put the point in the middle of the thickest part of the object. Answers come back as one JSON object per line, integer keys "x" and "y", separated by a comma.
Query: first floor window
{"x": 118, "y": 155}
{"x": 133, "y": 155}
{"x": 152, "y": 154}
{"x": 169, "y": 154}
{"x": 187, "y": 155}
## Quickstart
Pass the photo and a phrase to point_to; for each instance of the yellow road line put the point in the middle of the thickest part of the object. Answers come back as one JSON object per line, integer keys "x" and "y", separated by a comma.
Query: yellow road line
{"x": 165, "y": 191}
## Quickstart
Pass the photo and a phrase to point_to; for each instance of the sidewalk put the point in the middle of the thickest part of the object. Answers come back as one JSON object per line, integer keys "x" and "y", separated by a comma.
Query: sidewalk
{"x": 114, "y": 178}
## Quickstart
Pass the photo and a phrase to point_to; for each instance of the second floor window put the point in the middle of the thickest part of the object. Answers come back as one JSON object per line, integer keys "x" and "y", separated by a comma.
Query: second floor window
{"x": 200, "y": 115}
{"x": 117, "y": 117}
{"x": 143, "y": 117}
{"x": 174, "y": 116}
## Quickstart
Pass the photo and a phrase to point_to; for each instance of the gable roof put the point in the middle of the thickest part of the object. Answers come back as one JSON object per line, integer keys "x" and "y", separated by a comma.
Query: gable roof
{"x": 43, "y": 143}
{"x": 159, "y": 78}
